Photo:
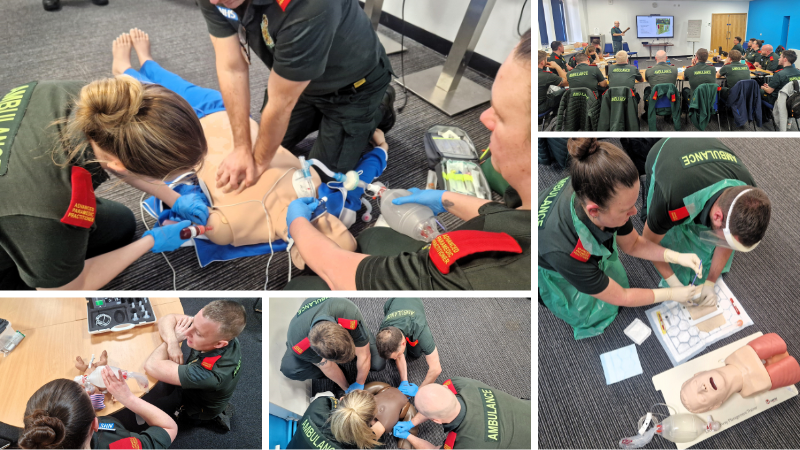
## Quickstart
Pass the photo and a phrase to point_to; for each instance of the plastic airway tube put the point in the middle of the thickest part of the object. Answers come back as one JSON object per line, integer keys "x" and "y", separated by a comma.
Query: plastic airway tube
{"x": 322, "y": 167}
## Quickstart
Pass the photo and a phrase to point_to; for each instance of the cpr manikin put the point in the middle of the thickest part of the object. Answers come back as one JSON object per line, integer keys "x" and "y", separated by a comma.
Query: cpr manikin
{"x": 762, "y": 365}
{"x": 92, "y": 381}
{"x": 237, "y": 218}
{"x": 392, "y": 406}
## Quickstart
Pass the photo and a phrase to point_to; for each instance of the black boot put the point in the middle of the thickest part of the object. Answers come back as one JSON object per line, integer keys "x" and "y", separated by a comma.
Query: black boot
{"x": 387, "y": 106}
{"x": 223, "y": 420}
{"x": 100, "y": 2}
{"x": 51, "y": 5}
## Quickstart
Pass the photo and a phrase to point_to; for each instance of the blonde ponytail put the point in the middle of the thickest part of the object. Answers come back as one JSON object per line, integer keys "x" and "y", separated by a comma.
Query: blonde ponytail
{"x": 351, "y": 420}
{"x": 153, "y": 131}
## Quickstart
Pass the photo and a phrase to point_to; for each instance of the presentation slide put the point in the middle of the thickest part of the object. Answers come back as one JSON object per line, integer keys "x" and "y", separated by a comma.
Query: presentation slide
{"x": 655, "y": 26}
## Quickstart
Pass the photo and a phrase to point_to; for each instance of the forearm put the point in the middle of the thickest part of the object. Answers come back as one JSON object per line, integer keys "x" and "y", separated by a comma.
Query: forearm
{"x": 362, "y": 366}
{"x": 644, "y": 249}
{"x": 419, "y": 442}
{"x": 156, "y": 188}
{"x": 431, "y": 376}
{"x": 274, "y": 122}
{"x": 615, "y": 294}
{"x": 159, "y": 354}
{"x": 718, "y": 262}
{"x": 333, "y": 264}
{"x": 234, "y": 84}
{"x": 335, "y": 374}
{"x": 402, "y": 368}
{"x": 166, "y": 328}
{"x": 100, "y": 270}
{"x": 465, "y": 207}
{"x": 418, "y": 419}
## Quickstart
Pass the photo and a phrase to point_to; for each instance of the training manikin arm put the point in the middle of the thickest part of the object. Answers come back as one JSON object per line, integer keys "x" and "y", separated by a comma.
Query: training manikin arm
{"x": 334, "y": 373}
{"x": 434, "y": 368}
{"x": 159, "y": 366}
{"x": 333, "y": 264}
{"x": 465, "y": 207}
{"x": 363, "y": 361}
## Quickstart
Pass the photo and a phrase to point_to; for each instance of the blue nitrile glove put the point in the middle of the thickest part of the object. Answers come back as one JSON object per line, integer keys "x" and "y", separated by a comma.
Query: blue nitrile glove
{"x": 168, "y": 237}
{"x": 191, "y": 207}
{"x": 430, "y": 198}
{"x": 301, "y": 207}
{"x": 409, "y": 389}
{"x": 354, "y": 386}
{"x": 402, "y": 429}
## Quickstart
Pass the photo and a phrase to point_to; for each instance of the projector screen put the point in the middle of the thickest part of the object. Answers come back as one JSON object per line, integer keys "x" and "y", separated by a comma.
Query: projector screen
{"x": 655, "y": 26}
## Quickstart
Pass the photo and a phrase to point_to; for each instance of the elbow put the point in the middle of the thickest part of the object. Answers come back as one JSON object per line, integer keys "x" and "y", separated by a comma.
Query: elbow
{"x": 149, "y": 369}
{"x": 436, "y": 371}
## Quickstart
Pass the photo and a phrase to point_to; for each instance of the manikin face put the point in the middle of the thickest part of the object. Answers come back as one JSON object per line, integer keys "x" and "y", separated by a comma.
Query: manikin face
{"x": 618, "y": 210}
{"x": 705, "y": 391}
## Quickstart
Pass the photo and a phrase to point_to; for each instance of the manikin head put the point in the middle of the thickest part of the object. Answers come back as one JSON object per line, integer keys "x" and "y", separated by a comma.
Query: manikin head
{"x": 605, "y": 181}
{"x": 218, "y": 323}
{"x": 391, "y": 343}
{"x": 661, "y": 56}
{"x": 708, "y": 390}
{"x": 332, "y": 342}
{"x": 766, "y": 50}
{"x": 622, "y": 57}
{"x": 437, "y": 403}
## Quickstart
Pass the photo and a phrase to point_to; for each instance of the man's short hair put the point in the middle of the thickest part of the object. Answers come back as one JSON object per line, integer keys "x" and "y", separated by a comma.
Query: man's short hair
{"x": 542, "y": 56}
{"x": 735, "y": 55}
{"x": 622, "y": 55}
{"x": 230, "y": 316}
{"x": 738, "y": 40}
{"x": 790, "y": 56}
{"x": 751, "y": 213}
{"x": 581, "y": 58}
{"x": 332, "y": 342}
{"x": 702, "y": 55}
{"x": 388, "y": 341}
{"x": 523, "y": 51}
{"x": 555, "y": 44}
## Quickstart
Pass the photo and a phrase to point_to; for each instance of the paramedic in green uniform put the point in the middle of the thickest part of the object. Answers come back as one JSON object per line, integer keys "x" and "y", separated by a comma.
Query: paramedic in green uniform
{"x": 768, "y": 60}
{"x": 557, "y": 56}
{"x": 701, "y": 199}
{"x": 737, "y": 45}
{"x": 206, "y": 380}
{"x": 622, "y": 74}
{"x": 581, "y": 220}
{"x": 754, "y": 52}
{"x": 585, "y": 75}
{"x": 54, "y": 232}
{"x": 782, "y": 77}
{"x": 547, "y": 79}
{"x": 696, "y": 74}
{"x": 494, "y": 242}
{"x": 733, "y": 73}
{"x": 404, "y": 331}
{"x": 327, "y": 332}
{"x": 60, "y": 414}
{"x": 342, "y": 423}
{"x": 661, "y": 73}
{"x": 472, "y": 414}
{"x": 328, "y": 73}
{"x": 616, "y": 37}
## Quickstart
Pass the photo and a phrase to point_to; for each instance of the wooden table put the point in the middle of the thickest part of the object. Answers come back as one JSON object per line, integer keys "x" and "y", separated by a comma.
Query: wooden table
{"x": 650, "y": 47}
{"x": 56, "y": 331}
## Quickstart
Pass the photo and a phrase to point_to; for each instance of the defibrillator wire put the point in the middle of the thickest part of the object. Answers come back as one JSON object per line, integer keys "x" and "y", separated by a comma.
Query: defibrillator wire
{"x": 519, "y": 22}
{"x": 402, "y": 64}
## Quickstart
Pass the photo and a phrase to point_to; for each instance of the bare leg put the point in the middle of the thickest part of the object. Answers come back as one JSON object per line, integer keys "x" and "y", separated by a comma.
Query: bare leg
{"x": 141, "y": 43}
{"x": 103, "y": 360}
{"x": 80, "y": 365}
{"x": 379, "y": 140}
{"x": 121, "y": 49}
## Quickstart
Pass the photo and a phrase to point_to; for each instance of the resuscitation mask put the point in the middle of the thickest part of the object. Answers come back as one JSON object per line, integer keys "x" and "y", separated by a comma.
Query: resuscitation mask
{"x": 724, "y": 237}
{"x": 678, "y": 428}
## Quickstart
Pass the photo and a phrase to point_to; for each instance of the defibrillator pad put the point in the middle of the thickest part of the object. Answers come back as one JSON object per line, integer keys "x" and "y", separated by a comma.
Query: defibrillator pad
{"x": 453, "y": 158}
{"x": 680, "y": 336}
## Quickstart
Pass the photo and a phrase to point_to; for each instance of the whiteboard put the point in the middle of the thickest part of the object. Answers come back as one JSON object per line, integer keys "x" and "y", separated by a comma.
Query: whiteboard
{"x": 693, "y": 35}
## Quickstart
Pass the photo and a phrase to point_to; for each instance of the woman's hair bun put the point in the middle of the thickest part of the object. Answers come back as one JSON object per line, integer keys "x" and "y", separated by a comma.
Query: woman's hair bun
{"x": 42, "y": 431}
{"x": 581, "y": 148}
{"x": 111, "y": 102}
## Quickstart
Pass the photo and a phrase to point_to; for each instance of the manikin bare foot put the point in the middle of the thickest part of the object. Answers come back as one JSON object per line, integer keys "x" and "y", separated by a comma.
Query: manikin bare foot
{"x": 102, "y": 362}
{"x": 80, "y": 365}
{"x": 141, "y": 43}
{"x": 378, "y": 139}
{"x": 121, "y": 49}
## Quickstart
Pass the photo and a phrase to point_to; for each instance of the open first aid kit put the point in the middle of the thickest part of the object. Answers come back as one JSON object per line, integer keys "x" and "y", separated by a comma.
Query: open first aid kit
{"x": 454, "y": 163}
{"x": 118, "y": 314}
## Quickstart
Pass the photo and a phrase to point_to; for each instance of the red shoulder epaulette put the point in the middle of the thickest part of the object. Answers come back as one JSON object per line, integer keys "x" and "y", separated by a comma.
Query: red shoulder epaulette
{"x": 127, "y": 443}
{"x": 448, "y": 248}
{"x": 451, "y": 440}
{"x": 301, "y": 346}
{"x": 556, "y": 56}
{"x": 81, "y": 211}
{"x": 580, "y": 253}
{"x": 283, "y": 4}
{"x": 209, "y": 362}
{"x": 449, "y": 385}
{"x": 413, "y": 344}
{"x": 678, "y": 214}
{"x": 349, "y": 324}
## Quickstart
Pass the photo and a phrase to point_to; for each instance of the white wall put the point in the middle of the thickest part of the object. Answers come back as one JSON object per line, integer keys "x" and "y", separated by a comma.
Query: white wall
{"x": 602, "y": 15}
{"x": 286, "y": 394}
{"x": 443, "y": 18}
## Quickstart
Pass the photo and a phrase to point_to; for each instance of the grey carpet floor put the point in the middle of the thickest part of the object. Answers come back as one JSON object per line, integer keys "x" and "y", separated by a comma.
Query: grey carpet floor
{"x": 487, "y": 339}
{"x": 247, "y": 399}
{"x": 571, "y": 383}
{"x": 75, "y": 44}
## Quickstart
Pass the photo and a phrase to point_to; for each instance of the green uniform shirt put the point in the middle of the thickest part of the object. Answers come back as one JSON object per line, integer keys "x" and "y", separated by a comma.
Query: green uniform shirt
{"x": 623, "y": 75}
{"x": 337, "y": 310}
{"x": 684, "y": 167}
{"x": 37, "y": 193}
{"x": 585, "y": 76}
{"x": 408, "y": 315}
{"x": 112, "y": 432}
{"x": 547, "y": 79}
{"x": 314, "y": 429}
{"x": 734, "y": 73}
{"x": 480, "y": 271}
{"x": 558, "y": 239}
{"x": 617, "y": 31}
{"x": 208, "y": 380}
{"x": 781, "y": 78}
{"x": 489, "y": 418}
{"x": 752, "y": 56}
{"x": 661, "y": 73}
{"x": 559, "y": 59}
{"x": 698, "y": 74}
{"x": 738, "y": 47}
{"x": 770, "y": 62}
{"x": 331, "y": 42}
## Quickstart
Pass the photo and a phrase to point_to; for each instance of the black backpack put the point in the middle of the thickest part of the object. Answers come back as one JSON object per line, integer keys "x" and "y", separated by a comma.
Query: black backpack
{"x": 793, "y": 102}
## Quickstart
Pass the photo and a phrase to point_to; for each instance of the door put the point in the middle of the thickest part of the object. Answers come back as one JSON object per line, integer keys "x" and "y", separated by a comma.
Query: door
{"x": 724, "y": 27}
